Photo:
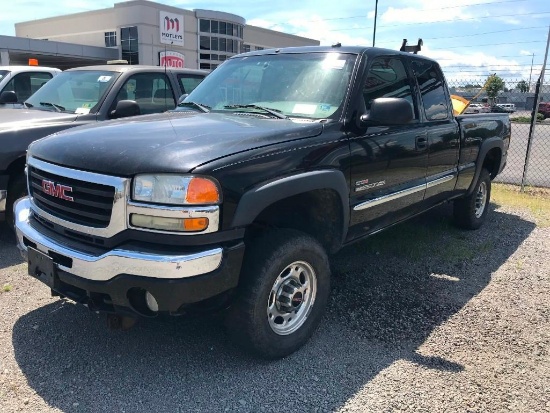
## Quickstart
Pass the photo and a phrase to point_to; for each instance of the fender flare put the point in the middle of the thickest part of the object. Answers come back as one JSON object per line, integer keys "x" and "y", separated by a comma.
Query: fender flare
{"x": 486, "y": 146}
{"x": 254, "y": 201}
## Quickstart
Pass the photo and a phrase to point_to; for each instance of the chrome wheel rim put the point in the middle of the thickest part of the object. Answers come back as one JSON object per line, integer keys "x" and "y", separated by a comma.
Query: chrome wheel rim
{"x": 481, "y": 200}
{"x": 291, "y": 298}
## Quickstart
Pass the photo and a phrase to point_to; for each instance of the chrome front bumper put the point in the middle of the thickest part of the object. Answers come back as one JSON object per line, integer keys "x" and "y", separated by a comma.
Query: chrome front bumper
{"x": 108, "y": 265}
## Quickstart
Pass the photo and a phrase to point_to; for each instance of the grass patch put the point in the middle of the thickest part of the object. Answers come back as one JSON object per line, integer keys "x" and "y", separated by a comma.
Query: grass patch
{"x": 6, "y": 288}
{"x": 536, "y": 200}
{"x": 526, "y": 119}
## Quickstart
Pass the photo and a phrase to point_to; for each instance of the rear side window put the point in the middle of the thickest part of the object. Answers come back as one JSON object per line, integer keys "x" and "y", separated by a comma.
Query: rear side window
{"x": 432, "y": 89}
{"x": 189, "y": 82}
{"x": 387, "y": 78}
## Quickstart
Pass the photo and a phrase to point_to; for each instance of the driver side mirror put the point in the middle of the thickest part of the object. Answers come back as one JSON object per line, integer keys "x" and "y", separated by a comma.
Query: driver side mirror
{"x": 8, "y": 96}
{"x": 389, "y": 111}
{"x": 124, "y": 109}
{"x": 182, "y": 98}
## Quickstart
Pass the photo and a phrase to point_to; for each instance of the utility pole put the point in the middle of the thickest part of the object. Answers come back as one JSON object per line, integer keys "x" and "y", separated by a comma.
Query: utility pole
{"x": 540, "y": 83}
{"x": 530, "y": 73}
{"x": 374, "y": 31}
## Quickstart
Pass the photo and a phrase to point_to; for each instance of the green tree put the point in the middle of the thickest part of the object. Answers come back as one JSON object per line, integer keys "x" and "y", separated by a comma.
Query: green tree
{"x": 522, "y": 86}
{"x": 493, "y": 85}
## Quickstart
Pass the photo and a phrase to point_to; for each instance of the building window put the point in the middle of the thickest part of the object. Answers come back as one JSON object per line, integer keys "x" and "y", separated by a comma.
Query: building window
{"x": 205, "y": 25}
{"x": 129, "y": 43}
{"x": 226, "y": 38}
{"x": 246, "y": 48}
{"x": 258, "y": 48}
{"x": 110, "y": 39}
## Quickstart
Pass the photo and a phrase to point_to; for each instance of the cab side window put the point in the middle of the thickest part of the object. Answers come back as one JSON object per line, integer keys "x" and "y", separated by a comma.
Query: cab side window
{"x": 432, "y": 89}
{"x": 387, "y": 77}
{"x": 152, "y": 92}
{"x": 25, "y": 84}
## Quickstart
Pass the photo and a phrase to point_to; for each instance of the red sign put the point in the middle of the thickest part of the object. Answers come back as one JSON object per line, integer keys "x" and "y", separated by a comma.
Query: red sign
{"x": 171, "y": 59}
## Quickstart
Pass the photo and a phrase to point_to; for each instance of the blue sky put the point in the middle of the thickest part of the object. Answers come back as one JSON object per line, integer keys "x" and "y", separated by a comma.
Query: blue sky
{"x": 470, "y": 38}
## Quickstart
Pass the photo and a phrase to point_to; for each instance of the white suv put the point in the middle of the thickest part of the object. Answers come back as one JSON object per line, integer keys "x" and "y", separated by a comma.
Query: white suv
{"x": 508, "y": 107}
{"x": 23, "y": 80}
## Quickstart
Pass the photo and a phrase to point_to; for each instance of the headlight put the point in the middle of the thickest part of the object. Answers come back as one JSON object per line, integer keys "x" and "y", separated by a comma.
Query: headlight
{"x": 175, "y": 189}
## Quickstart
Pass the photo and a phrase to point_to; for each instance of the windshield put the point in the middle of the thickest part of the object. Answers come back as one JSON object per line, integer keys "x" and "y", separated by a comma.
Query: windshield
{"x": 73, "y": 91}
{"x": 3, "y": 74}
{"x": 301, "y": 85}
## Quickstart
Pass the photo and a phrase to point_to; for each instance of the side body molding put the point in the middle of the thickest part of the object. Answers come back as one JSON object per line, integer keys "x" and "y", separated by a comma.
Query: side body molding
{"x": 257, "y": 199}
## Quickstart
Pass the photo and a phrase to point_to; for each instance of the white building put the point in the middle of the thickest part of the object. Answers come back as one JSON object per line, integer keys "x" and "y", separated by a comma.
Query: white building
{"x": 144, "y": 32}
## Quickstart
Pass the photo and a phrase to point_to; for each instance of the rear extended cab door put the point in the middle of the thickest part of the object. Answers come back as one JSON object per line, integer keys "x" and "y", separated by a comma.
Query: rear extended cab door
{"x": 442, "y": 130}
{"x": 388, "y": 162}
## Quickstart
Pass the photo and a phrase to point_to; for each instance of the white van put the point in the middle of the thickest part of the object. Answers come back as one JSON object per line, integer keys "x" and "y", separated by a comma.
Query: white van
{"x": 508, "y": 107}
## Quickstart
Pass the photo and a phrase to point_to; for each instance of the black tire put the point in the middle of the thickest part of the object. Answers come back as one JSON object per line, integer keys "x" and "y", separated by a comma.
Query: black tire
{"x": 272, "y": 263}
{"x": 470, "y": 212}
{"x": 17, "y": 189}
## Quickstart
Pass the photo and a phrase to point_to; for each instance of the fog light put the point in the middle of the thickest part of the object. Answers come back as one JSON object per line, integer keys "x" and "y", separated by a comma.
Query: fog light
{"x": 169, "y": 224}
{"x": 151, "y": 302}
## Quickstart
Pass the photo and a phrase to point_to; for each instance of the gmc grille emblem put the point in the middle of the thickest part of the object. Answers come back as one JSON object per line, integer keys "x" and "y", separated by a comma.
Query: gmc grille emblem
{"x": 57, "y": 190}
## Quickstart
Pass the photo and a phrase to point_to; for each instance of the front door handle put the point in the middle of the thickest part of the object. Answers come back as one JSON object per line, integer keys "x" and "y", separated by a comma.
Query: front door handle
{"x": 421, "y": 142}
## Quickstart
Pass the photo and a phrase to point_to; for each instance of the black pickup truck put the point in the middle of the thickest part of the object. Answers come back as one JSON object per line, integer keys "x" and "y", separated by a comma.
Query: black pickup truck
{"x": 235, "y": 200}
{"x": 77, "y": 97}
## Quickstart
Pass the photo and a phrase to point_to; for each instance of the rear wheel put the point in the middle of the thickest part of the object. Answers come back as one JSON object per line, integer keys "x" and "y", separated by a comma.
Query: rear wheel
{"x": 16, "y": 189}
{"x": 283, "y": 293}
{"x": 470, "y": 212}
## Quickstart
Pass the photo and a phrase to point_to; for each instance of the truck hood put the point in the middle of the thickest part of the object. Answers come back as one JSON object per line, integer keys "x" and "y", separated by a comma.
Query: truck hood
{"x": 16, "y": 119}
{"x": 169, "y": 142}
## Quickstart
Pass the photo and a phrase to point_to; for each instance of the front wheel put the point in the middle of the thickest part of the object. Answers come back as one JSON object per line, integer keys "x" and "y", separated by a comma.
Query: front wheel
{"x": 17, "y": 189}
{"x": 470, "y": 212}
{"x": 283, "y": 293}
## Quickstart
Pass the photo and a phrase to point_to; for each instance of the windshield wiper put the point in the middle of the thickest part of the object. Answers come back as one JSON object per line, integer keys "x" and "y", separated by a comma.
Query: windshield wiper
{"x": 200, "y": 106}
{"x": 58, "y": 108}
{"x": 28, "y": 105}
{"x": 274, "y": 112}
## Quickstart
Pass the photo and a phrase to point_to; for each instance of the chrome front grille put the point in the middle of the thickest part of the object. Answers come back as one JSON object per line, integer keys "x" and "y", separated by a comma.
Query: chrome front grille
{"x": 91, "y": 203}
{"x": 86, "y": 203}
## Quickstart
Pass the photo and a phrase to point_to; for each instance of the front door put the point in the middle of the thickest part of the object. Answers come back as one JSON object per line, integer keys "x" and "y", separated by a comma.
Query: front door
{"x": 388, "y": 163}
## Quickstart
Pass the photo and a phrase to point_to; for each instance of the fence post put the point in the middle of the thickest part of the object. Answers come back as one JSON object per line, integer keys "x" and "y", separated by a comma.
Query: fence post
{"x": 534, "y": 115}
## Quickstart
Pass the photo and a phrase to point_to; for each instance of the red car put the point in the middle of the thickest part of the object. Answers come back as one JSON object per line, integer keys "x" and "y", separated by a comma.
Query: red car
{"x": 544, "y": 109}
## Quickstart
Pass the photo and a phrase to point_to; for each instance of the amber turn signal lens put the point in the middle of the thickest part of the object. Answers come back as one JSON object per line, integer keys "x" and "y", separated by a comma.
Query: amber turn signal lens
{"x": 195, "y": 224}
{"x": 202, "y": 191}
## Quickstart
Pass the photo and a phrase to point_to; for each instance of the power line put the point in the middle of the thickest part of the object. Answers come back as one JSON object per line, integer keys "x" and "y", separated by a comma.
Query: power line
{"x": 431, "y": 9}
{"x": 480, "y": 34}
{"x": 442, "y": 21}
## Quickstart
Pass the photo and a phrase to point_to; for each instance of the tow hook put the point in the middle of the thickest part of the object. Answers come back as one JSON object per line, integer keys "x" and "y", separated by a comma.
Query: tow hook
{"x": 118, "y": 322}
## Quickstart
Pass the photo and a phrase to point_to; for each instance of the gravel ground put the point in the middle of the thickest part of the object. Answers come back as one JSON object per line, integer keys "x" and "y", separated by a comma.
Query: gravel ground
{"x": 423, "y": 317}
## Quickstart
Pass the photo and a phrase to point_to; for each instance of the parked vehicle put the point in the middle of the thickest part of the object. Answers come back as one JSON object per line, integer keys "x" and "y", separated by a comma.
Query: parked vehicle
{"x": 508, "y": 107}
{"x": 234, "y": 201}
{"x": 81, "y": 96}
{"x": 18, "y": 83}
{"x": 544, "y": 109}
{"x": 498, "y": 109}
{"x": 477, "y": 108}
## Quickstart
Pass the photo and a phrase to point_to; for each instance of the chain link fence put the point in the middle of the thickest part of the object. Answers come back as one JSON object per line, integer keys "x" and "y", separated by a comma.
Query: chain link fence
{"x": 518, "y": 99}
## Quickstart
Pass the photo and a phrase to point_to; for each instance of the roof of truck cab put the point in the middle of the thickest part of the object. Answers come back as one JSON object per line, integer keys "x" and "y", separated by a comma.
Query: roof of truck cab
{"x": 369, "y": 51}
{"x": 29, "y": 69}
{"x": 139, "y": 68}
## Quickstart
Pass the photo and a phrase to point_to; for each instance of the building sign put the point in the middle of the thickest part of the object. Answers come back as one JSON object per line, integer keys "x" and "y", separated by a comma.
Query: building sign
{"x": 171, "y": 59}
{"x": 171, "y": 28}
